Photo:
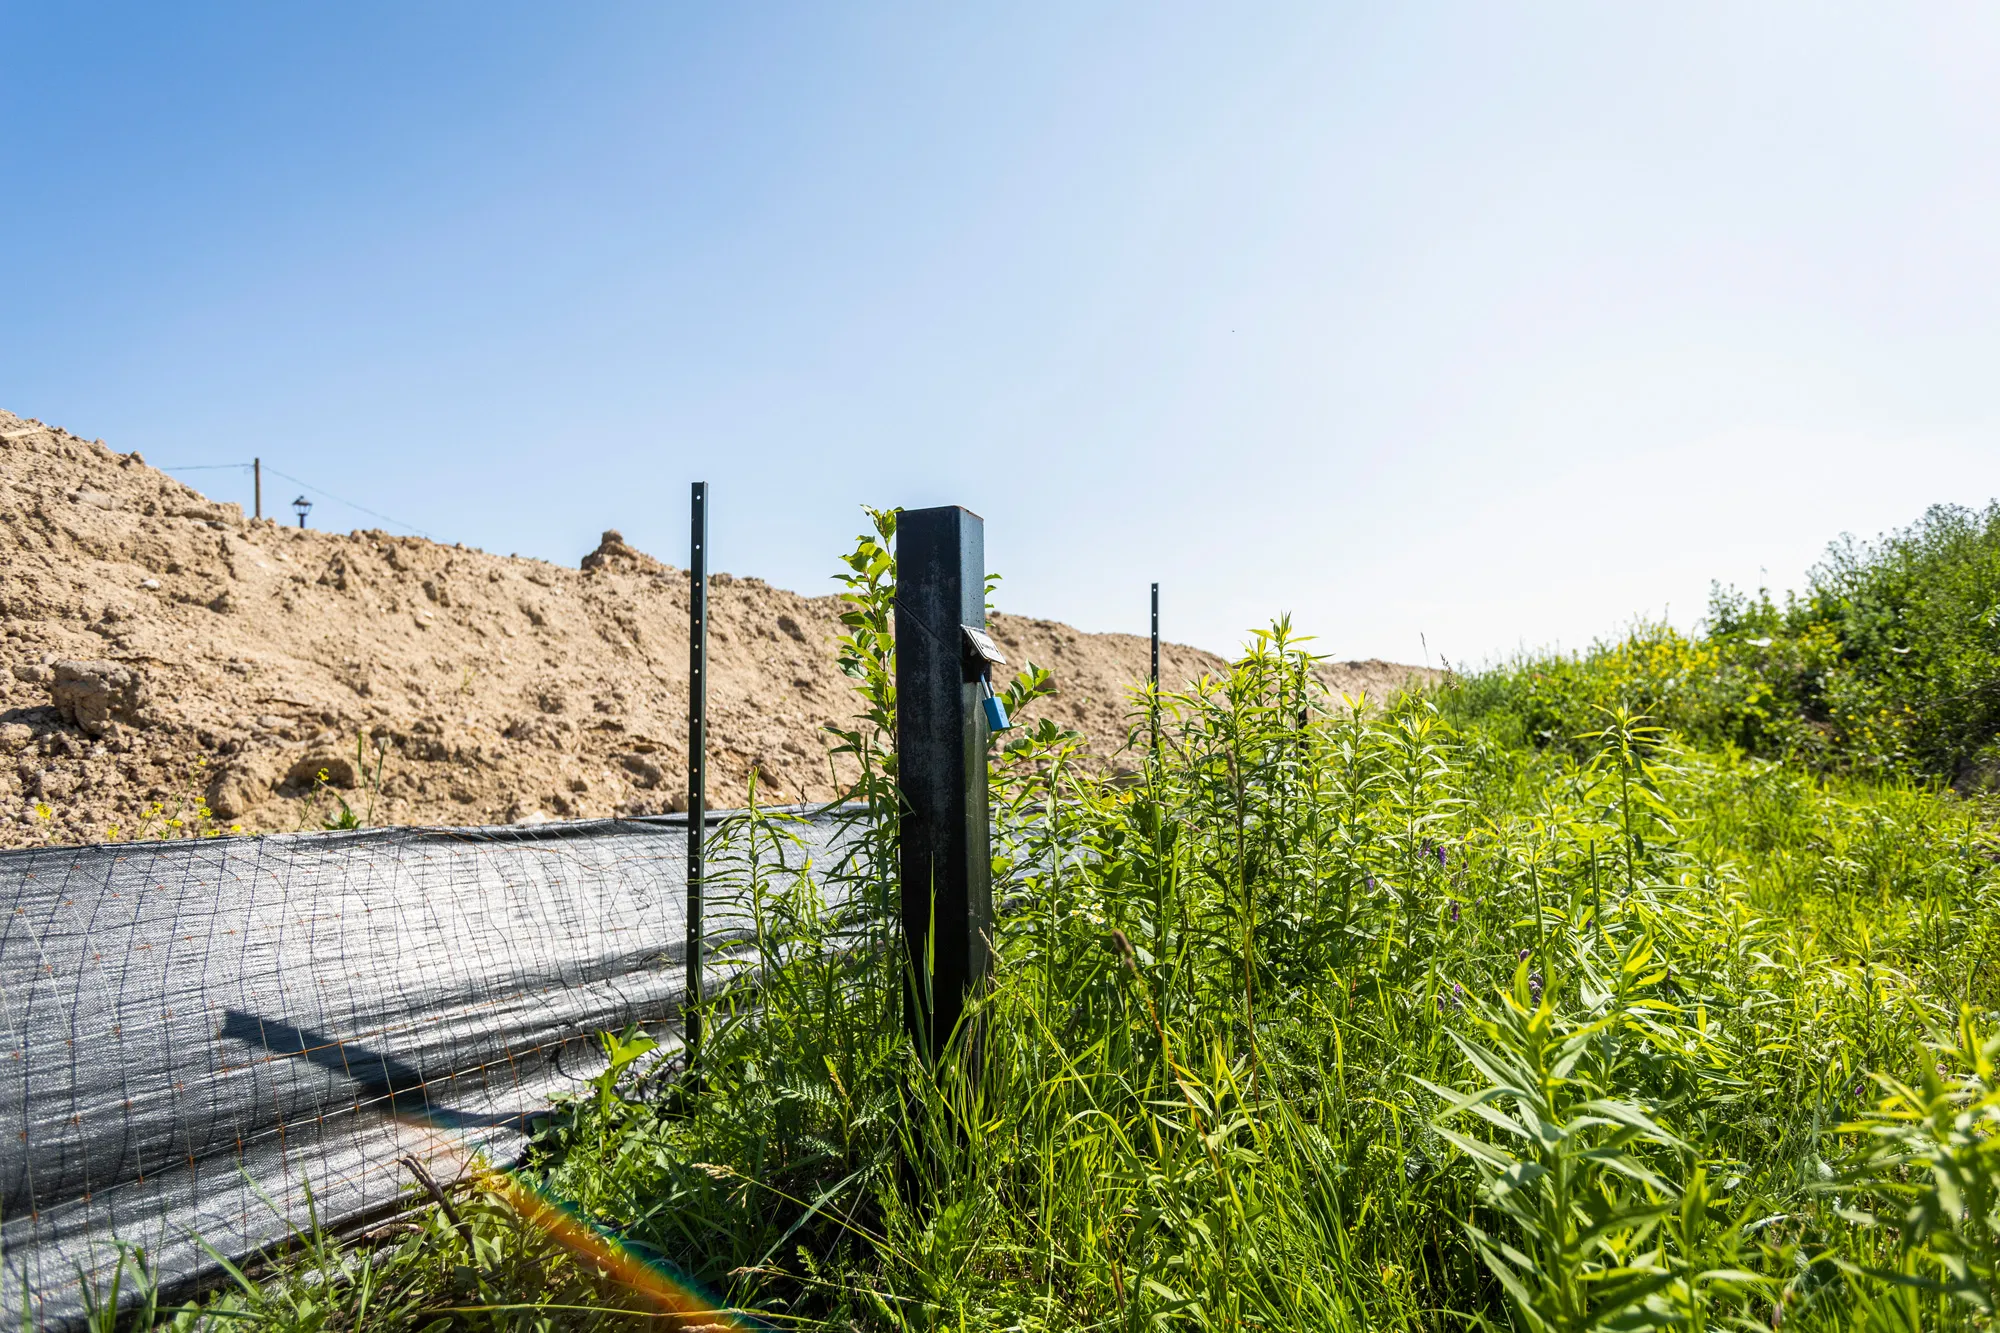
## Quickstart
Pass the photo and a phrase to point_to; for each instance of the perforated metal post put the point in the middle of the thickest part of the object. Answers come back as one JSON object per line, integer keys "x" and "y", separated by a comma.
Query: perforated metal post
{"x": 1154, "y": 715}
{"x": 697, "y": 796}
{"x": 946, "y": 849}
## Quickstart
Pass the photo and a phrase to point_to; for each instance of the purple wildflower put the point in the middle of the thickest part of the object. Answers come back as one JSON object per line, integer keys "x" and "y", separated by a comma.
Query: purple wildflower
{"x": 1454, "y": 912}
{"x": 1440, "y": 852}
{"x": 1524, "y": 955}
{"x": 1535, "y": 986}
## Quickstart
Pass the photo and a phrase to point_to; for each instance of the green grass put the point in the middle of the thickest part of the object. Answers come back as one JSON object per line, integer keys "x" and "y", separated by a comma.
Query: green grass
{"x": 1409, "y": 1020}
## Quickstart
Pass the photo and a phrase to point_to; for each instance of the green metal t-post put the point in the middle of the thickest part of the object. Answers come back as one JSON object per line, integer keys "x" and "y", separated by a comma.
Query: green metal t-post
{"x": 946, "y": 839}
{"x": 697, "y": 795}
{"x": 1153, "y": 713}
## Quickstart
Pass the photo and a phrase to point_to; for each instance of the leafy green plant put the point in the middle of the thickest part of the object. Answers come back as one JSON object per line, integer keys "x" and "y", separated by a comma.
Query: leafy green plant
{"x": 1934, "y": 1155}
{"x": 1597, "y": 1236}
{"x": 621, "y": 1051}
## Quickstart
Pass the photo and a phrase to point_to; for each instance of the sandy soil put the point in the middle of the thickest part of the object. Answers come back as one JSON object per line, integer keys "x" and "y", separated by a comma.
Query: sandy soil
{"x": 159, "y": 647}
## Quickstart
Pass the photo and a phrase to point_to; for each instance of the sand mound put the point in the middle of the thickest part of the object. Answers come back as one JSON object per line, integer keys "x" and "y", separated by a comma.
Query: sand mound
{"x": 162, "y": 646}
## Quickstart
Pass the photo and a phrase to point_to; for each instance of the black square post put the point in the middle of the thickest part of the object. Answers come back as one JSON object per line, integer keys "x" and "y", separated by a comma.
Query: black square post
{"x": 946, "y": 839}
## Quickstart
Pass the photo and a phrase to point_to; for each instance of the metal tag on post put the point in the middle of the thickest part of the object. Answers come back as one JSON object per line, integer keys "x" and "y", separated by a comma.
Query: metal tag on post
{"x": 982, "y": 646}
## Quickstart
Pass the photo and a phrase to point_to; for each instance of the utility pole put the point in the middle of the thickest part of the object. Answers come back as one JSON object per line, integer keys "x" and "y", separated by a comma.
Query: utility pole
{"x": 257, "y": 487}
{"x": 697, "y": 811}
{"x": 943, "y": 660}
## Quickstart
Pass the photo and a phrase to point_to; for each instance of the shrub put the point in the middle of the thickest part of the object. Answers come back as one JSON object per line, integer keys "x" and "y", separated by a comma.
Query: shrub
{"x": 1889, "y": 661}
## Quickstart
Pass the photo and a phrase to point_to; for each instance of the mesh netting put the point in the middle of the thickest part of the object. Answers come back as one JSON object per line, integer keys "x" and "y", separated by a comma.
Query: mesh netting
{"x": 218, "y": 1043}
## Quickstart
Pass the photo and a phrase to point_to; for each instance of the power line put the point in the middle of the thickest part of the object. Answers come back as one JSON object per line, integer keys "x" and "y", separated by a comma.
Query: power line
{"x": 329, "y": 495}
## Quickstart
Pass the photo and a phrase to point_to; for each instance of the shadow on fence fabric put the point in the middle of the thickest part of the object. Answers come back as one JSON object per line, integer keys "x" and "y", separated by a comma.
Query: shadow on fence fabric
{"x": 197, "y": 1038}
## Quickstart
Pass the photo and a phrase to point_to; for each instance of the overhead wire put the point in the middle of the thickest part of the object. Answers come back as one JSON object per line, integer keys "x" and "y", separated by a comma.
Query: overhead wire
{"x": 323, "y": 494}
{"x": 329, "y": 495}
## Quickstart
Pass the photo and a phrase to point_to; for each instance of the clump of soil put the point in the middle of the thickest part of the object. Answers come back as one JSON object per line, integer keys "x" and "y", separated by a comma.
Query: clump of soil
{"x": 159, "y": 647}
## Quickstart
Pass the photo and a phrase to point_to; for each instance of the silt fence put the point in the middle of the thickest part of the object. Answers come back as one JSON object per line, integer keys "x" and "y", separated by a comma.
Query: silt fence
{"x": 211, "y": 1045}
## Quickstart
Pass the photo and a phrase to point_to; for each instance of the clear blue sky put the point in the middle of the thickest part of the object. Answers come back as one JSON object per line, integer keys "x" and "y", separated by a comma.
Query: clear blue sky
{"x": 1487, "y": 324}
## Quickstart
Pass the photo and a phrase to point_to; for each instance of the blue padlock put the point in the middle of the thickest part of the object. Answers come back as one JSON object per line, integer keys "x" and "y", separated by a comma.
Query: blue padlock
{"x": 996, "y": 713}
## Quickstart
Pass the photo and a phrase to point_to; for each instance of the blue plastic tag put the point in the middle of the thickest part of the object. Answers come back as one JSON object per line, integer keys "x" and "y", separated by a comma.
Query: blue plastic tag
{"x": 996, "y": 714}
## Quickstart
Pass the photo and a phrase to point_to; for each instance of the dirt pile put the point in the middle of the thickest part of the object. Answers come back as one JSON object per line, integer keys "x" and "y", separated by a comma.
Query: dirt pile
{"x": 159, "y": 647}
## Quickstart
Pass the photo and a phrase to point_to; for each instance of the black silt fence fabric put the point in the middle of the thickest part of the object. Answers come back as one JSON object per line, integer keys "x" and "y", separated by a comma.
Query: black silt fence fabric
{"x": 223, "y": 1041}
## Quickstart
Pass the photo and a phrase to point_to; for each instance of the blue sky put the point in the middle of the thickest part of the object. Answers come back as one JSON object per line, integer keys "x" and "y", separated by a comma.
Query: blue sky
{"x": 1444, "y": 328}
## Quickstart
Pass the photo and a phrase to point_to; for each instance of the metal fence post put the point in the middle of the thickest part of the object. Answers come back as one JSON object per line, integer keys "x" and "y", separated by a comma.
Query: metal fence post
{"x": 1153, "y": 714}
{"x": 946, "y": 839}
{"x": 697, "y": 801}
